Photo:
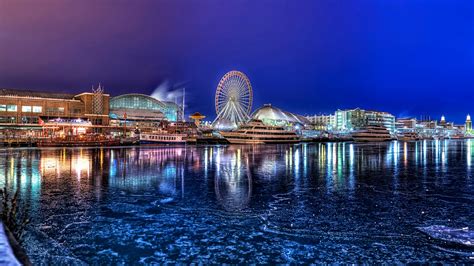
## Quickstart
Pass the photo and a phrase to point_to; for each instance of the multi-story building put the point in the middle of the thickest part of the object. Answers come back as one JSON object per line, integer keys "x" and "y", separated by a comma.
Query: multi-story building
{"x": 350, "y": 119}
{"x": 406, "y": 123}
{"x": 142, "y": 111}
{"x": 22, "y": 107}
{"x": 322, "y": 122}
{"x": 353, "y": 119}
{"x": 468, "y": 124}
{"x": 381, "y": 118}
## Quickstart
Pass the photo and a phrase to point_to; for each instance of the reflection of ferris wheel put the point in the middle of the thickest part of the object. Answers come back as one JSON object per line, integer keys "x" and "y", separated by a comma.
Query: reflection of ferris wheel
{"x": 233, "y": 186}
{"x": 234, "y": 97}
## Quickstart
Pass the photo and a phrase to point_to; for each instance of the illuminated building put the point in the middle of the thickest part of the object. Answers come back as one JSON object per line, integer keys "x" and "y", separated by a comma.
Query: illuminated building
{"x": 274, "y": 116}
{"x": 406, "y": 123}
{"x": 468, "y": 124}
{"x": 349, "y": 119}
{"x": 142, "y": 110}
{"x": 23, "y": 109}
{"x": 443, "y": 121}
{"x": 197, "y": 117}
{"x": 354, "y": 119}
{"x": 381, "y": 118}
{"x": 322, "y": 122}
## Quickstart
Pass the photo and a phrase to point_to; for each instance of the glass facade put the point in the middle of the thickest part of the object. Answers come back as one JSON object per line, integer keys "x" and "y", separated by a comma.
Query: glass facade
{"x": 12, "y": 108}
{"x": 144, "y": 102}
{"x": 37, "y": 109}
{"x": 357, "y": 118}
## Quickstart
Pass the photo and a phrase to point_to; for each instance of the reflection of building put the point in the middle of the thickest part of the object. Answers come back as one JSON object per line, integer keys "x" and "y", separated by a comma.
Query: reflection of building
{"x": 21, "y": 109}
{"x": 358, "y": 118}
{"x": 142, "y": 110}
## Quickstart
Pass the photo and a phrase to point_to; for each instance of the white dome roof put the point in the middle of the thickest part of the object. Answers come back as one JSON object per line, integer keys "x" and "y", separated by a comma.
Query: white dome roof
{"x": 269, "y": 112}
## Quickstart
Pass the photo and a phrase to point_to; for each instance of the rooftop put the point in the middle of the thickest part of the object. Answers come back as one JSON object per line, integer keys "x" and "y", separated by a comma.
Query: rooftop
{"x": 35, "y": 94}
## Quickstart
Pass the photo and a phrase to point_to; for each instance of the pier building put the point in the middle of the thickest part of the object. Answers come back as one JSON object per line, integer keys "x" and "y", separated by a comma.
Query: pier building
{"x": 30, "y": 110}
{"x": 142, "y": 111}
{"x": 354, "y": 119}
{"x": 322, "y": 121}
{"x": 274, "y": 116}
{"x": 468, "y": 124}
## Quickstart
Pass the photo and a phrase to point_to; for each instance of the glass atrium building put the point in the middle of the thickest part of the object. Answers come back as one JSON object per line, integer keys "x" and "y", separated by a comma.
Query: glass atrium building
{"x": 140, "y": 107}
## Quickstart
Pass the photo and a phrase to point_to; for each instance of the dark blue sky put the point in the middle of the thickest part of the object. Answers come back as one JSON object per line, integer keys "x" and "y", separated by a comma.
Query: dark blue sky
{"x": 407, "y": 57}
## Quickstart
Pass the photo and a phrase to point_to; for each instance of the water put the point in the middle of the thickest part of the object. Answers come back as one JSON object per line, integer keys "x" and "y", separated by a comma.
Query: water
{"x": 304, "y": 203}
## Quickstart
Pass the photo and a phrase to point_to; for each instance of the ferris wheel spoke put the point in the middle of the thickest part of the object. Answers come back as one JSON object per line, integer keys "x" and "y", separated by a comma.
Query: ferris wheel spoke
{"x": 242, "y": 87}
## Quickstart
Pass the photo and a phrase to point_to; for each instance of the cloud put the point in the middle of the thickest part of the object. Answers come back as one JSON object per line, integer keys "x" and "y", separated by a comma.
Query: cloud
{"x": 167, "y": 91}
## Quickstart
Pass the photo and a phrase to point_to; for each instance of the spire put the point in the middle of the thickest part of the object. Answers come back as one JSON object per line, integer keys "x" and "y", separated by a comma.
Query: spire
{"x": 443, "y": 119}
{"x": 468, "y": 118}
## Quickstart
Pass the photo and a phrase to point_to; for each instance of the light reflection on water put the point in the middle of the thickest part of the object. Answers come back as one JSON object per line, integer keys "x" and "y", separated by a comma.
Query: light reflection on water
{"x": 326, "y": 202}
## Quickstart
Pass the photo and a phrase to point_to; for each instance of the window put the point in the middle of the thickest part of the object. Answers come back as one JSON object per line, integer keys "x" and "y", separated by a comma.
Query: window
{"x": 29, "y": 120}
{"x": 26, "y": 109}
{"x": 55, "y": 110}
{"x": 37, "y": 109}
{"x": 11, "y": 108}
{"x": 7, "y": 119}
{"x": 3, "y": 107}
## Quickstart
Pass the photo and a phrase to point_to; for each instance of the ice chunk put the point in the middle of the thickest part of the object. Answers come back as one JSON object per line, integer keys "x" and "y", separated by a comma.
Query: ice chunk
{"x": 462, "y": 236}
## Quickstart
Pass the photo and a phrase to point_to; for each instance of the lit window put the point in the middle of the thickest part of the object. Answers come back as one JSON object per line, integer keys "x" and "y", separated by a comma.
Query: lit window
{"x": 11, "y": 108}
{"x": 37, "y": 109}
{"x": 3, "y": 107}
{"x": 26, "y": 109}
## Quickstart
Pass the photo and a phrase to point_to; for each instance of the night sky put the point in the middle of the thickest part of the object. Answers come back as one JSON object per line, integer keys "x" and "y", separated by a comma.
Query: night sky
{"x": 409, "y": 57}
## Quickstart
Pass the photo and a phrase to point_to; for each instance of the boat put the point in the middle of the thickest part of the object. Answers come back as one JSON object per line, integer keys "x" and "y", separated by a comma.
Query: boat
{"x": 372, "y": 133}
{"x": 130, "y": 141}
{"x": 408, "y": 136}
{"x": 256, "y": 132}
{"x": 162, "y": 137}
{"x": 92, "y": 140}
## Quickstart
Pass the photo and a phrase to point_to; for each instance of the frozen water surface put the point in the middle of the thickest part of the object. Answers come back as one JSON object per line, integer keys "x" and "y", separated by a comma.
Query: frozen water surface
{"x": 308, "y": 203}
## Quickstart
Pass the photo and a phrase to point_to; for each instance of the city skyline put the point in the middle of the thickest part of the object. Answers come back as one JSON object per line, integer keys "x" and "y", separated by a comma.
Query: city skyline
{"x": 409, "y": 58}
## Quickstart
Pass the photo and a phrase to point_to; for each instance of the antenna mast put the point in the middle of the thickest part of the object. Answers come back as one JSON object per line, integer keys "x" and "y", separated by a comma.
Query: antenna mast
{"x": 184, "y": 95}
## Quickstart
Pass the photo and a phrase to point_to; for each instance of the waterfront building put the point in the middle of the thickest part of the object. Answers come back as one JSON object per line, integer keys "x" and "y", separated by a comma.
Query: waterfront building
{"x": 444, "y": 124}
{"x": 381, "y": 118}
{"x": 348, "y": 120}
{"x": 443, "y": 121}
{"x": 432, "y": 124}
{"x": 273, "y": 116}
{"x": 405, "y": 123}
{"x": 468, "y": 124}
{"x": 197, "y": 117}
{"x": 355, "y": 119}
{"x": 322, "y": 122}
{"x": 30, "y": 110}
{"x": 140, "y": 110}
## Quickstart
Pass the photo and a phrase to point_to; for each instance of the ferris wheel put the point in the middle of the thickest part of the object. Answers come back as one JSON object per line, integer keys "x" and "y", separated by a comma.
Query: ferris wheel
{"x": 234, "y": 97}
